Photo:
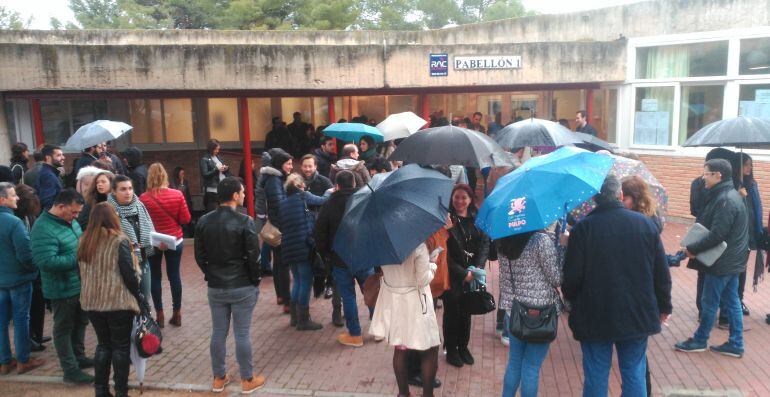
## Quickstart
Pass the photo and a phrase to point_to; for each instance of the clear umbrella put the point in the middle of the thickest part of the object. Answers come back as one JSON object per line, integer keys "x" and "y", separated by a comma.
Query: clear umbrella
{"x": 95, "y": 133}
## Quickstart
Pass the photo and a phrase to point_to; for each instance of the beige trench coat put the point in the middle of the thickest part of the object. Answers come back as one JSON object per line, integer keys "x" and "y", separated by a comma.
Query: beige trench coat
{"x": 404, "y": 312}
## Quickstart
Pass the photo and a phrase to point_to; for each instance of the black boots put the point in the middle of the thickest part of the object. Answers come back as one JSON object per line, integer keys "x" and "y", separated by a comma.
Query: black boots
{"x": 337, "y": 320}
{"x": 304, "y": 323}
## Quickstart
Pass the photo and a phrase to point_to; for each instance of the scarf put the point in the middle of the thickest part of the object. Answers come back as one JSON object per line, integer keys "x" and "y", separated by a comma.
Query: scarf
{"x": 135, "y": 209}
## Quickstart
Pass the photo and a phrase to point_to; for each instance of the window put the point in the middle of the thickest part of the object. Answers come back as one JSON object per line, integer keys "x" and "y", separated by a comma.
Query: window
{"x": 401, "y": 103}
{"x": 147, "y": 121}
{"x": 457, "y": 106}
{"x": 653, "y": 119}
{"x": 604, "y": 113}
{"x": 373, "y": 107}
{"x": 260, "y": 118}
{"x": 755, "y": 56}
{"x": 10, "y": 118}
{"x": 223, "y": 119}
{"x": 489, "y": 105}
{"x": 699, "y": 105}
{"x": 566, "y": 104}
{"x": 682, "y": 60}
{"x": 755, "y": 100}
{"x": 611, "y": 115}
{"x": 161, "y": 120}
{"x": 523, "y": 107}
{"x": 62, "y": 118}
{"x": 291, "y": 105}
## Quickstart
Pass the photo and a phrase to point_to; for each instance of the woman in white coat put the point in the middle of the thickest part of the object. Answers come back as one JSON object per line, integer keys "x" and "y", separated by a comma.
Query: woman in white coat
{"x": 404, "y": 317}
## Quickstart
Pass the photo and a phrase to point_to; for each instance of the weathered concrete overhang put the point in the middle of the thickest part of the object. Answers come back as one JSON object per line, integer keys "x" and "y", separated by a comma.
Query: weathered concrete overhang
{"x": 54, "y": 67}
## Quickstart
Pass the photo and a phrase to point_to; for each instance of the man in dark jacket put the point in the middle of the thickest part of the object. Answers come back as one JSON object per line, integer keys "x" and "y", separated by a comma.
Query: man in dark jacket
{"x": 30, "y": 176}
{"x": 298, "y": 133}
{"x": 226, "y": 252}
{"x": 137, "y": 171}
{"x": 581, "y": 122}
{"x": 618, "y": 281}
{"x": 318, "y": 185}
{"x": 329, "y": 220}
{"x": 325, "y": 156}
{"x": 88, "y": 156}
{"x": 48, "y": 183}
{"x": 725, "y": 216}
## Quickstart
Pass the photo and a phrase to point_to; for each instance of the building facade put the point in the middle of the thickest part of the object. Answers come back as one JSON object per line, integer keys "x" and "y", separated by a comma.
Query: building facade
{"x": 649, "y": 74}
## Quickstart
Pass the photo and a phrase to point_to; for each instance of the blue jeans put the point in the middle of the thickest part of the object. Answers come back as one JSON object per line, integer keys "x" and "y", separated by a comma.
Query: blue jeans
{"x": 14, "y": 304}
{"x": 597, "y": 359}
{"x": 722, "y": 289}
{"x": 302, "y": 283}
{"x": 524, "y": 362}
{"x": 173, "y": 260}
{"x": 238, "y": 304}
{"x": 265, "y": 257}
{"x": 346, "y": 287}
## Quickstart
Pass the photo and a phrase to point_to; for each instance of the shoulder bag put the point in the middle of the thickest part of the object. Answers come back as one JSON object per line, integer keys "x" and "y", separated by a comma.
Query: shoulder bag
{"x": 147, "y": 336}
{"x": 533, "y": 324}
{"x": 270, "y": 234}
{"x": 477, "y": 302}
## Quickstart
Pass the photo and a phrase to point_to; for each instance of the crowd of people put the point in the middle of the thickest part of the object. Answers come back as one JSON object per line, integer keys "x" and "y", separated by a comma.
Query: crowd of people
{"x": 84, "y": 244}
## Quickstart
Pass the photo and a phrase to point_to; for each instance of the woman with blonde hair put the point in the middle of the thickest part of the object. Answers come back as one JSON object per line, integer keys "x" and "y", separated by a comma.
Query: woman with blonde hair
{"x": 168, "y": 211}
{"x": 297, "y": 226}
{"x": 109, "y": 293}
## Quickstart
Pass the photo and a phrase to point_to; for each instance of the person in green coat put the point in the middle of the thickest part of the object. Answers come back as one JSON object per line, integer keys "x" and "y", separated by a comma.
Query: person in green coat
{"x": 54, "y": 240}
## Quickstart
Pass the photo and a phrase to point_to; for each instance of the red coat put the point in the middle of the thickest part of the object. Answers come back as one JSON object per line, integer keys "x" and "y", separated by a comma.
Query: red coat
{"x": 168, "y": 210}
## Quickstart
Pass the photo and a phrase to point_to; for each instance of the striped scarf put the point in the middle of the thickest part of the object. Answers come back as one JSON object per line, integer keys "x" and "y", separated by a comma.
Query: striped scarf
{"x": 135, "y": 209}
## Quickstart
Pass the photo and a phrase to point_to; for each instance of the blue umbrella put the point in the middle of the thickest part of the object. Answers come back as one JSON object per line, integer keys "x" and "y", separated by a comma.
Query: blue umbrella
{"x": 542, "y": 191}
{"x": 352, "y": 132}
{"x": 383, "y": 224}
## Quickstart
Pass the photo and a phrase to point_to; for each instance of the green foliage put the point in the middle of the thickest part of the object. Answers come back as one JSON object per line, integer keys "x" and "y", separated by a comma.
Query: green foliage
{"x": 10, "y": 19}
{"x": 287, "y": 15}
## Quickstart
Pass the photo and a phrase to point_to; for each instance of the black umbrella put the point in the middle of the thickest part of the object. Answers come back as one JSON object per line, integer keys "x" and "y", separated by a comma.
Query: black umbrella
{"x": 740, "y": 132}
{"x": 593, "y": 143}
{"x": 447, "y": 145}
{"x": 536, "y": 132}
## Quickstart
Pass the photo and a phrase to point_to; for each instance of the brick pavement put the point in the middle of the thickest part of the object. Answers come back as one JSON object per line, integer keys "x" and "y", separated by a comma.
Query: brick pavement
{"x": 312, "y": 363}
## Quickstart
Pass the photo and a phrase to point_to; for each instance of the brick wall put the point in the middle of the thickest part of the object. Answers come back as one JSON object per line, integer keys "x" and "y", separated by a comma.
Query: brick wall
{"x": 676, "y": 175}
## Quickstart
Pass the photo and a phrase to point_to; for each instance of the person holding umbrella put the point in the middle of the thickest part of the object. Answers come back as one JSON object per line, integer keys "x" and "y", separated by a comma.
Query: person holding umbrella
{"x": 750, "y": 192}
{"x": 467, "y": 246}
{"x": 109, "y": 293}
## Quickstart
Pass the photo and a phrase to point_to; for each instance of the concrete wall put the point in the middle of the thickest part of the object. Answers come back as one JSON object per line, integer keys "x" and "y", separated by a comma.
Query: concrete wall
{"x": 37, "y": 67}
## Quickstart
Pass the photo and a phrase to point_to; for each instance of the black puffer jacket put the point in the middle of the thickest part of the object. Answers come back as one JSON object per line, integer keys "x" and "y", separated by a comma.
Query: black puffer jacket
{"x": 227, "y": 249}
{"x": 271, "y": 181}
{"x": 329, "y": 219}
{"x": 726, "y": 218}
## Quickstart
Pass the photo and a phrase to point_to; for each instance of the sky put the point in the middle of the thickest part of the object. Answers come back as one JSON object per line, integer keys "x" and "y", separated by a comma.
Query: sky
{"x": 41, "y": 11}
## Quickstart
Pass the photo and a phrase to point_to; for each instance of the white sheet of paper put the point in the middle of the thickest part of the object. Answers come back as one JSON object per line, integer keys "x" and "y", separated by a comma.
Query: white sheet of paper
{"x": 170, "y": 241}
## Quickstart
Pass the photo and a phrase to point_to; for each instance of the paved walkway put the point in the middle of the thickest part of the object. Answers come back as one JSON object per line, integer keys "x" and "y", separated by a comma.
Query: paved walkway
{"x": 313, "y": 364}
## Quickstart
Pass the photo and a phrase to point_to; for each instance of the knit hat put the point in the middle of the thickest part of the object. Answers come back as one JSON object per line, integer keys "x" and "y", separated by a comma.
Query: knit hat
{"x": 279, "y": 158}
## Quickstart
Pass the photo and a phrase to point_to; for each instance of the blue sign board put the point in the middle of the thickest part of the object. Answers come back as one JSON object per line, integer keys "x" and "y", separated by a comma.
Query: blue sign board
{"x": 439, "y": 64}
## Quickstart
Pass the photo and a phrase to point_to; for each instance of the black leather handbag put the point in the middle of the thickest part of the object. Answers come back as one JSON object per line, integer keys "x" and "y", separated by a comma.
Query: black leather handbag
{"x": 533, "y": 324}
{"x": 478, "y": 301}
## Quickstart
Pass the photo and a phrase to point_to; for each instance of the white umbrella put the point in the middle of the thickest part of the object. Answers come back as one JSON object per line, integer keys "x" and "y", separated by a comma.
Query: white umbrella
{"x": 400, "y": 125}
{"x": 95, "y": 133}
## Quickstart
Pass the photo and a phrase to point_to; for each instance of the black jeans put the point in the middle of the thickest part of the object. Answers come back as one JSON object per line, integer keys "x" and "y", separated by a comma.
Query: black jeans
{"x": 113, "y": 335}
{"x": 281, "y": 276}
{"x": 37, "y": 312}
{"x": 457, "y": 322}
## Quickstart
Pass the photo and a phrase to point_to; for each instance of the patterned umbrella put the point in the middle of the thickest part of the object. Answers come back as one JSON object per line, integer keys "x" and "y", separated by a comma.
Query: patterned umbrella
{"x": 625, "y": 167}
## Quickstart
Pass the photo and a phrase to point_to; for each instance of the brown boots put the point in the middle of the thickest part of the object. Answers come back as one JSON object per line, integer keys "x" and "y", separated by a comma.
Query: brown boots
{"x": 160, "y": 318}
{"x": 176, "y": 318}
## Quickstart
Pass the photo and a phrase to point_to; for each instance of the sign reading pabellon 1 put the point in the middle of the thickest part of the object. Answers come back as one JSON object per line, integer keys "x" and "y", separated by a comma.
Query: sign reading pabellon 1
{"x": 487, "y": 62}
